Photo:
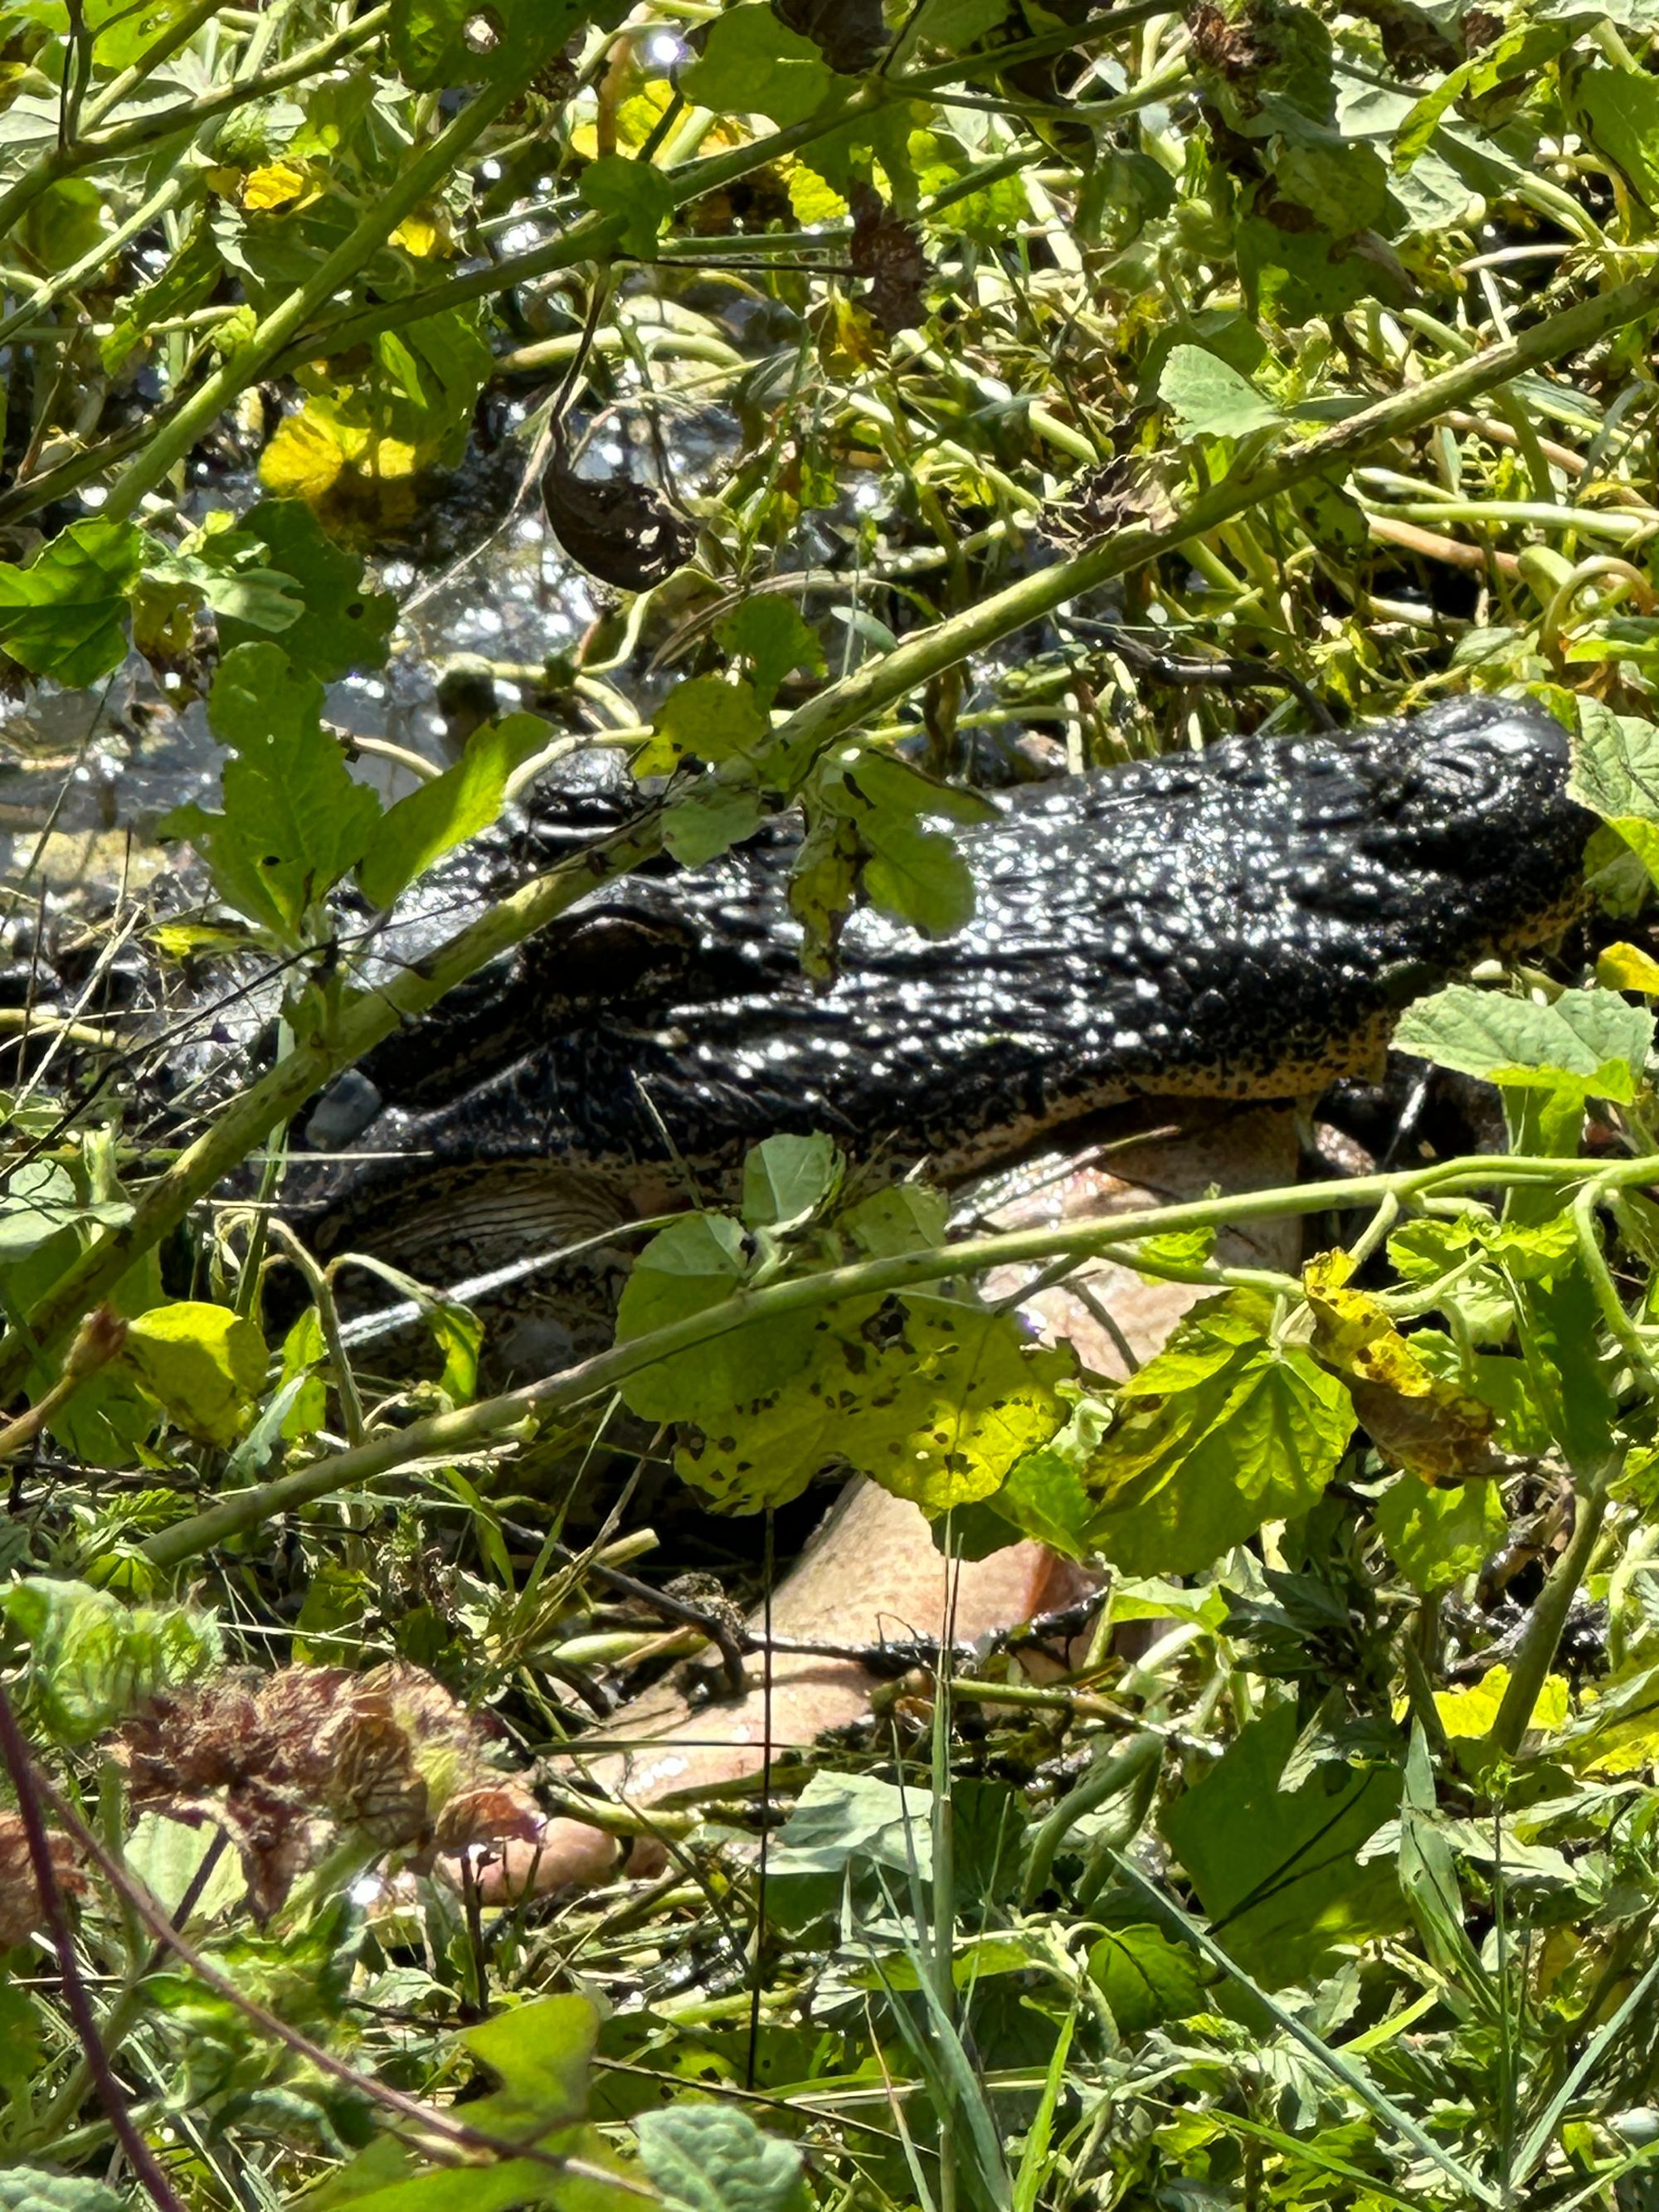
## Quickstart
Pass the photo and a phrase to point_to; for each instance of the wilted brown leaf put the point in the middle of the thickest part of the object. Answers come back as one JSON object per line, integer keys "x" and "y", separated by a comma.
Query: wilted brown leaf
{"x": 21, "y": 1910}
{"x": 625, "y": 533}
{"x": 888, "y": 252}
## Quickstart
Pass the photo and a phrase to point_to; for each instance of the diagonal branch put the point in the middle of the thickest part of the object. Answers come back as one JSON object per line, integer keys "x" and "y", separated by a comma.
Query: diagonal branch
{"x": 840, "y": 707}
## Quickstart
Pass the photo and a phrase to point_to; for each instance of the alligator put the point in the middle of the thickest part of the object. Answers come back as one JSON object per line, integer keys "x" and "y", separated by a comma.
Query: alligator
{"x": 1242, "y": 923}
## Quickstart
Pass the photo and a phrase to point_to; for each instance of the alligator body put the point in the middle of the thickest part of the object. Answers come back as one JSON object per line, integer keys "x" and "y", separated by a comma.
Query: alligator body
{"x": 1243, "y": 922}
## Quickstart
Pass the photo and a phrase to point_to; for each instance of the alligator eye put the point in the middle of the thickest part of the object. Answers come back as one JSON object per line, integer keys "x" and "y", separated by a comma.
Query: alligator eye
{"x": 1469, "y": 771}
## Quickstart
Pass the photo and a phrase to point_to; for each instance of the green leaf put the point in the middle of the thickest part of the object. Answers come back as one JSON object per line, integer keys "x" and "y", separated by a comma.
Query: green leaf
{"x": 845, "y": 1822}
{"x": 1437, "y": 1537}
{"x": 304, "y": 1348}
{"x": 934, "y": 1400}
{"x": 635, "y": 190}
{"x": 694, "y": 1264}
{"x": 342, "y": 625}
{"x": 1615, "y": 773}
{"x": 906, "y": 1217}
{"x": 1046, "y": 1495}
{"x": 540, "y": 2055}
{"x": 768, "y": 633}
{"x": 1428, "y": 1873}
{"x": 822, "y": 884}
{"x": 294, "y": 820}
{"x": 712, "y": 2158}
{"x": 22, "y": 2054}
{"x": 705, "y": 716}
{"x": 65, "y": 616}
{"x": 1145, "y": 1978}
{"x": 1277, "y": 1871}
{"x": 708, "y": 819}
{"x": 440, "y": 815}
{"x": 1587, "y": 1042}
{"x": 957, "y": 25}
{"x": 166, "y": 1856}
{"x": 227, "y": 569}
{"x": 1210, "y": 399}
{"x": 786, "y": 1179}
{"x": 40, "y": 1199}
{"x": 203, "y": 1363}
{"x": 1559, "y": 1323}
{"x": 438, "y": 43}
{"x": 123, "y": 31}
{"x": 1619, "y": 109}
{"x": 1222, "y": 1431}
{"x": 94, "y": 1660}
{"x": 752, "y": 65}
{"x": 917, "y": 875}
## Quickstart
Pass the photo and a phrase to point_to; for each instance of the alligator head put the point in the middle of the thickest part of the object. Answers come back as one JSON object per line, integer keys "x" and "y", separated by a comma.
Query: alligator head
{"x": 1241, "y": 922}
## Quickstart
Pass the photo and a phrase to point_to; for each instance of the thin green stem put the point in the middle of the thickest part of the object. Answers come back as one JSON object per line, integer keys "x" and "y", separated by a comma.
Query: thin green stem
{"x": 842, "y": 706}
{"x": 1549, "y": 1615}
{"x": 423, "y": 177}
{"x": 495, "y": 1418}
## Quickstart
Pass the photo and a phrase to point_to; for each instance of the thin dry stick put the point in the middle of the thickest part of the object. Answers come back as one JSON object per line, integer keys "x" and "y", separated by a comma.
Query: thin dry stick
{"x": 31, "y": 1786}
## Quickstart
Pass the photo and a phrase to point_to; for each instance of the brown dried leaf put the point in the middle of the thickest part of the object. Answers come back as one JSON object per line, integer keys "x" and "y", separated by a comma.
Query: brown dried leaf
{"x": 487, "y": 1813}
{"x": 1228, "y": 46}
{"x": 1125, "y": 493}
{"x": 20, "y": 1908}
{"x": 625, "y": 533}
{"x": 888, "y": 252}
{"x": 274, "y": 1760}
{"x": 374, "y": 1786}
{"x": 850, "y": 34}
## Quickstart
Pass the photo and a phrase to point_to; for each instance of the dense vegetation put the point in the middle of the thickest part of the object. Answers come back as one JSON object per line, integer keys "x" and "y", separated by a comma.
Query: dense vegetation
{"x": 887, "y": 397}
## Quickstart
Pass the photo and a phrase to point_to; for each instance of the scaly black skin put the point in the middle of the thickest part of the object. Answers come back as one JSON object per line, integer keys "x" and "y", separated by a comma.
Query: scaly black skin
{"x": 1243, "y": 922}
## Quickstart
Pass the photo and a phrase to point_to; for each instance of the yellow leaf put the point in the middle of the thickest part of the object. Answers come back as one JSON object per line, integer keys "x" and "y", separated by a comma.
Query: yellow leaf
{"x": 1470, "y": 1713}
{"x": 422, "y": 234}
{"x": 1414, "y": 1416}
{"x": 277, "y": 185}
{"x": 812, "y": 199}
{"x": 303, "y": 459}
{"x": 847, "y": 337}
{"x": 1627, "y": 968}
{"x": 204, "y": 1363}
{"x": 640, "y": 114}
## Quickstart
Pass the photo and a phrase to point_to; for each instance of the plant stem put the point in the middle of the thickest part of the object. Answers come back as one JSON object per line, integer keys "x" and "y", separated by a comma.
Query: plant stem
{"x": 1549, "y": 1615}
{"x": 841, "y": 707}
{"x": 27, "y": 1783}
{"x": 493, "y": 1418}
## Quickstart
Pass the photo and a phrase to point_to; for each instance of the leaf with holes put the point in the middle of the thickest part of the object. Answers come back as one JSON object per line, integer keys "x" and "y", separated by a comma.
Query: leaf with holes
{"x": 934, "y": 1400}
{"x": 340, "y": 626}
